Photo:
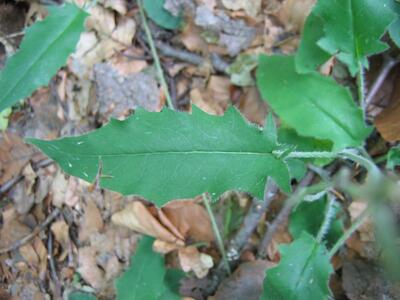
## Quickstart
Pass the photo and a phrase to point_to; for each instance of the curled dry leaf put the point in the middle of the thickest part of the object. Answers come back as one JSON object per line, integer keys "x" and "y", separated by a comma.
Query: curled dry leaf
{"x": 138, "y": 217}
{"x": 176, "y": 222}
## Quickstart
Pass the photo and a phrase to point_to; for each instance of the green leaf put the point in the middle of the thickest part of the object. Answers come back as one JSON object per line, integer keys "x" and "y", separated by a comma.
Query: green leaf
{"x": 81, "y": 296}
{"x": 393, "y": 159}
{"x": 145, "y": 277}
{"x": 309, "y": 55}
{"x": 289, "y": 136}
{"x": 309, "y": 216}
{"x": 270, "y": 130}
{"x": 4, "y": 118}
{"x": 241, "y": 69}
{"x": 394, "y": 29}
{"x": 172, "y": 155}
{"x": 172, "y": 283}
{"x": 43, "y": 51}
{"x": 297, "y": 168}
{"x": 353, "y": 29}
{"x": 162, "y": 17}
{"x": 315, "y": 105}
{"x": 302, "y": 273}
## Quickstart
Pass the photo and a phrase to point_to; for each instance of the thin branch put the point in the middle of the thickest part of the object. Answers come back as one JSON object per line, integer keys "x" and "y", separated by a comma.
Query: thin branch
{"x": 167, "y": 50}
{"x": 53, "y": 270}
{"x": 220, "y": 243}
{"x": 279, "y": 219}
{"x": 387, "y": 66}
{"x": 253, "y": 216}
{"x": 10, "y": 183}
{"x": 30, "y": 236}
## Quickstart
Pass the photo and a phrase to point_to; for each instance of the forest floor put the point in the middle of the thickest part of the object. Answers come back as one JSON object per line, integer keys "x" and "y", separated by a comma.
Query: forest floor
{"x": 57, "y": 235}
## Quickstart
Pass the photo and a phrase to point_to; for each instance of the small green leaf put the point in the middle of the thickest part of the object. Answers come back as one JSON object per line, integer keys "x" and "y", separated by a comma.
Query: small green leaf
{"x": 81, "y": 296}
{"x": 315, "y": 105}
{"x": 162, "y": 17}
{"x": 309, "y": 216}
{"x": 353, "y": 29}
{"x": 4, "y": 118}
{"x": 302, "y": 273}
{"x": 297, "y": 168}
{"x": 44, "y": 49}
{"x": 394, "y": 29}
{"x": 145, "y": 277}
{"x": 309, "y": 55}
{"x": 172, "y": 155}
{"x": 241, "y": 69}
{"x": 393, "y": 159}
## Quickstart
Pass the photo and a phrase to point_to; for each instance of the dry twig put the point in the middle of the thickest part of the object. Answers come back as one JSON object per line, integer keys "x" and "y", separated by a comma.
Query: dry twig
{"x": 50, "y": 218}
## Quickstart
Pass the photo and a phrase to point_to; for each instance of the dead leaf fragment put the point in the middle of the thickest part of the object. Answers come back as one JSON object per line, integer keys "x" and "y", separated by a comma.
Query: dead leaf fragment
{"x": 252, "y": 8}
{"x": 88, "y": 268}
{"x": 14, "y": 155}
{"x": 388, "y": 123}
{"x": 192, "y": 260}
{"x": 92, "y": 221}
{"x": 215, "y": 98}
{"x": 245, "y": 283}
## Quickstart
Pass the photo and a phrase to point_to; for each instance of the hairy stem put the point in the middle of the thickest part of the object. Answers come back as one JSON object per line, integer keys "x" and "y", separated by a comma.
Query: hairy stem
{"x": 220, "y": 243}
{"x": 329, "y": 215}
{"x": 361, "y": 85}
{"x": 155, "y": 55}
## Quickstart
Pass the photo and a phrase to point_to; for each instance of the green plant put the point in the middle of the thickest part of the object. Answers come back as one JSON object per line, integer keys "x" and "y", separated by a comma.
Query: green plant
{"x": 170, "y": 155}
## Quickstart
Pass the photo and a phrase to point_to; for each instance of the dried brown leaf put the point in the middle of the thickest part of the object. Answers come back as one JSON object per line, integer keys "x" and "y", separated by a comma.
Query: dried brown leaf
{"x": 191, "y": 219}
{"x": 92, "y": 221}
{"x": 137, "y": 217}
{"x": 14, "y": 155}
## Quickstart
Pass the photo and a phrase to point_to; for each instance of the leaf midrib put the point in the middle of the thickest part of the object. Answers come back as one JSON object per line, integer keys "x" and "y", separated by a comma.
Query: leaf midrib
{"x": 195, "y": 152}
{"x": 34, "y": 62}
{"x": 334, "y": 119}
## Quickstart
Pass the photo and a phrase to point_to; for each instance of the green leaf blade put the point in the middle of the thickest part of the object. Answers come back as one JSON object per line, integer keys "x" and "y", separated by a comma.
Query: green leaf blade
{"x": 45, "y": 48}
{"x": 316, "y": 106}
{"x": 145, "y": 277}
{"x": 157, "y": 13}
{"x": 302, "y": 273}
{"x": 353, "y": 29}
{"x": 172, "y": 155}
{"x": 309, "y": 55}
